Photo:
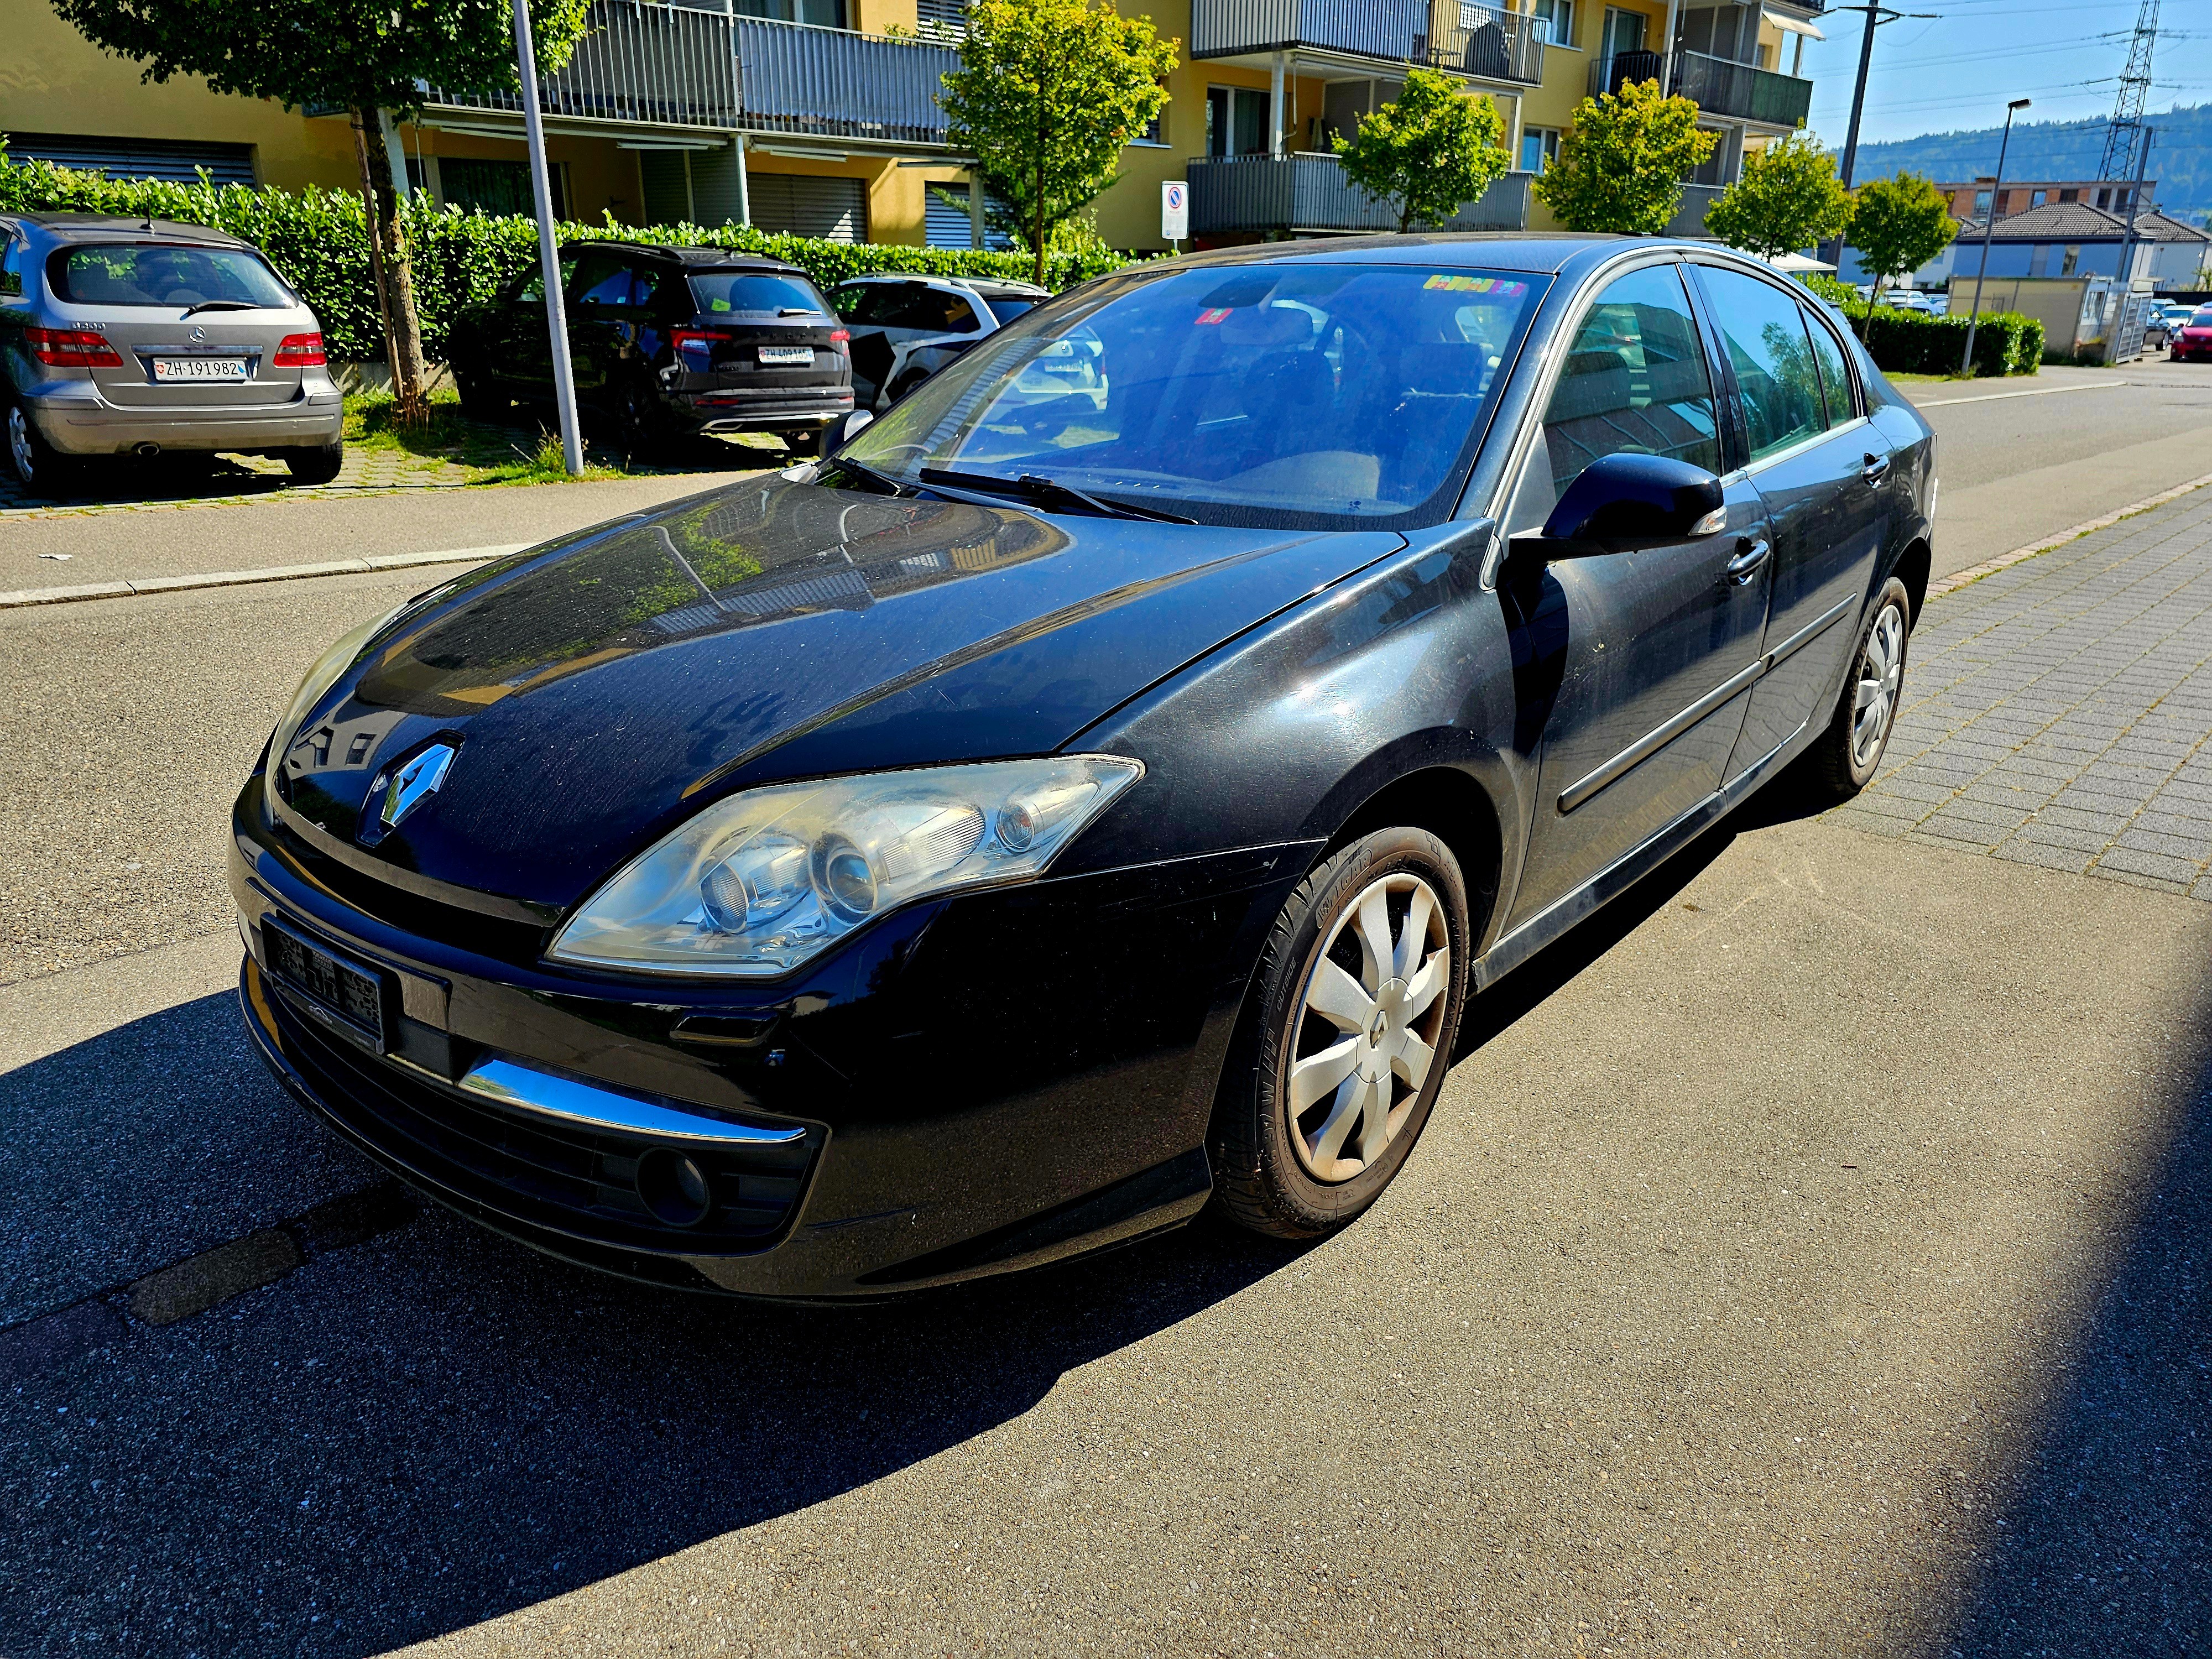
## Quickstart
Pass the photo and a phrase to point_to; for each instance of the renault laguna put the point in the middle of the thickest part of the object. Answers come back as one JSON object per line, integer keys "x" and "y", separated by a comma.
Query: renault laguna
{"x": 1083, "y": 798}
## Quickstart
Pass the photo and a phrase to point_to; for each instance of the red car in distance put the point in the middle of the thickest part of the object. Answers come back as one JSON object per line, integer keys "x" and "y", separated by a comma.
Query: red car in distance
{"x": 2192, "y": 341}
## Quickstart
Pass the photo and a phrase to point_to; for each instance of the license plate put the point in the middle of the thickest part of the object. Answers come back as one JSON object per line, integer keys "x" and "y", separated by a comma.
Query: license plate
{"x": 349, "y": 998}
{"x": 199, "y": 369}
{"x": 788, "y": 356}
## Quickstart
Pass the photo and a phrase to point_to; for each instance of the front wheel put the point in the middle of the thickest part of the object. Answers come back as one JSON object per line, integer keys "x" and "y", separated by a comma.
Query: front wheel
{"x": 1843, "y": 760}
{"x": 1358, "y": 1002}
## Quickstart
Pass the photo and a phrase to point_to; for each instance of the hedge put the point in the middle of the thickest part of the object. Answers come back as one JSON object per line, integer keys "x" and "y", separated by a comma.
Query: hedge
{"x": 318, "y": 238}
{"x": 1919, "y": 342}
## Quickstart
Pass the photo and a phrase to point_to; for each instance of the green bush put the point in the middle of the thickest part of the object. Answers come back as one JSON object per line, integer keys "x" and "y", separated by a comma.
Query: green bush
{"x": 1915, "y": 342}
{"x": 318, "y": 240}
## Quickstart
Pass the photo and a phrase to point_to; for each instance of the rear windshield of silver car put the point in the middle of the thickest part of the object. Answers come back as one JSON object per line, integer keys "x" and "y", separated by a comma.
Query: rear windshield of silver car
{"x": 1279, "y": 393}
{"x": 753, "y": 294}
{"x": 164, "y": 275}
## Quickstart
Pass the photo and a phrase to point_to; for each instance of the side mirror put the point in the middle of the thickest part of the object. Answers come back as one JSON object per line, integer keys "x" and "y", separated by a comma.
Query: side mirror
{"x": 844, "y": 429}
{"x": 1622, "y": 501}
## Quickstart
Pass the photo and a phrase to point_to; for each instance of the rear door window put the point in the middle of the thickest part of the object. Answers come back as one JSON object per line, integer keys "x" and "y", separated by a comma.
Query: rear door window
{"x": 602, "y": 281}
{"x": 163, "y": 276}
{"x": 755, "y": 294}
{"x": 1835, "y": 382}
{"x": 11, "y": 267}
{"x": 1778, "y": 387}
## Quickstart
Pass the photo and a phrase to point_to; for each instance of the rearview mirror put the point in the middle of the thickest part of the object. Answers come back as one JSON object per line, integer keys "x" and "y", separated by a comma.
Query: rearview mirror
{"x": 844, "y": 429}
{"x": 1624, "y": 500}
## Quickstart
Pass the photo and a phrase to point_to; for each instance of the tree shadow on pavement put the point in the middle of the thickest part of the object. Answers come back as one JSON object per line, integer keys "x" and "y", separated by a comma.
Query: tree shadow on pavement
{"x": 2106, "y": 1546}
{"x": 436, "y": 1427}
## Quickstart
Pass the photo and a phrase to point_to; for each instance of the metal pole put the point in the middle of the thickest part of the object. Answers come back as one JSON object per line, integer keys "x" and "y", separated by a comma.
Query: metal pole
{"x": 1988, "y": 229}
{"x": 2127, "y": 247}
{"x": 745, "y": 187}
{"x": 1859, "y": 96}
{"x": 548, "y": 262}
{"x": 1275, "y": 107}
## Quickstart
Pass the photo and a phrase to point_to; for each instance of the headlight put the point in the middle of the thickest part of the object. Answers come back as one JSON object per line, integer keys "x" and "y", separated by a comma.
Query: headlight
{"x": 320, "y": 678}
{"x": 757, "y": 883}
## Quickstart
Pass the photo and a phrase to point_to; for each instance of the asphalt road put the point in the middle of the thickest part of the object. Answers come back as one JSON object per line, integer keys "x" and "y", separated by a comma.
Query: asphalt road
{"x": 1809, "y": 1256}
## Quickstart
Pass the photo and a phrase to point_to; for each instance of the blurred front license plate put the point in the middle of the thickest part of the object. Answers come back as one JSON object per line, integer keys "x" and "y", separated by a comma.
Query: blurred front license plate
{"x": 785, "y": 356}
{"x": 347, "y": 998}
{"x": 199, "y": 369}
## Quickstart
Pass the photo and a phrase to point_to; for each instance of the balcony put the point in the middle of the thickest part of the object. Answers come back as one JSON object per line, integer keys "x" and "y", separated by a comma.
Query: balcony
{"x": 638, "y": 63}
{"x": 1716, "y": 86}
{"x": 796, "y": 78}
{"x": 1454, "y": 35}
{"x": 1689, "y": 218}
{"x": 1310, "y": 194}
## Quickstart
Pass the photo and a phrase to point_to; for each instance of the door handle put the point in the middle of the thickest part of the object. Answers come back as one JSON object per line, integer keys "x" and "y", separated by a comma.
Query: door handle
{"x": 1876, "y": 470}
{"x": 1750, "y": 555}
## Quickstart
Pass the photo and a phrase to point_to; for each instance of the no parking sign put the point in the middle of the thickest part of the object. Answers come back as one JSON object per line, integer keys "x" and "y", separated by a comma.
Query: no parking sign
{"x": 1175, "y": 210}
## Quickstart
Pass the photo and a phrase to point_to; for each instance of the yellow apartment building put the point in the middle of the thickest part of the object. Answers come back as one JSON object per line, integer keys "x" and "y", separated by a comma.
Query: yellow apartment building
{"x": 819, "y": 116}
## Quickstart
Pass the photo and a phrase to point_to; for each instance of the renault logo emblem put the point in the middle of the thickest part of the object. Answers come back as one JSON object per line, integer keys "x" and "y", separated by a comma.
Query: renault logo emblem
{"x": 415, "y": 783}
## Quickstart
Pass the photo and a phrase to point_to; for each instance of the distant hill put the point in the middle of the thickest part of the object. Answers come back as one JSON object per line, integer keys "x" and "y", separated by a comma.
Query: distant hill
{"x": 2180, "y": 155}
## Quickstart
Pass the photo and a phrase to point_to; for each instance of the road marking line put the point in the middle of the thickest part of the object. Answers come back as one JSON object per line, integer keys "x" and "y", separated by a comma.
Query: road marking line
{"x": 129, "y": 586}
{"x": 2039, "y": 391}
{"x": 1958, "y": 579}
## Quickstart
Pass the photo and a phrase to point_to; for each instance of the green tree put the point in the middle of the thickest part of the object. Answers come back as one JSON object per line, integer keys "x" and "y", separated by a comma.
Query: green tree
{"x": 1047, "y": 93}
{"x": 1788, "y": 198}
{"x": 361, "y": 56}
{"x": 1898, "y": 225}
{"x": 1621, "y": 165}
{"x": 1428, "y": 151}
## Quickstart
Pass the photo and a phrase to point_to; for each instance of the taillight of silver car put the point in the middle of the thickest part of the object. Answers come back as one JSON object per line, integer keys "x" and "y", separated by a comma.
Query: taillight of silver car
{"x": 298, "y": 351}
{"x": 71, "y": 347}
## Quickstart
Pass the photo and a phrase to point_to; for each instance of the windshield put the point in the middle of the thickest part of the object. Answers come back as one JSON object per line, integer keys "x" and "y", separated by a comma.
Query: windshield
{"x": 2202, "y": 318}
{"x": 165, "y": 275}
{"x": 1283, "y": 393}
{"x": 741, "y": 293}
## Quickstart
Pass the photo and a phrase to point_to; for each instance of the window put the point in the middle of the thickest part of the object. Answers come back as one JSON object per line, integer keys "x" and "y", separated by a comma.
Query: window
{"x": 1779, "y": 389}
{"x": 1236, "y": 121}
{"x": 2069, "y": 195}
{"x": 499, "y": 187}
{"x": 1558, "y": 20}
{"x": 1634, "y": 380}
{"x": 822, "y": 14}
{"x": 11, "y": 268}
{"x": 907, "y": 304}
{"x": 162, "y": 275}
{"x": 1624, "y": 31}
{"x": 1156, "y": 130}
{"x": 1296, "y": 394}
{"x": 2036, "y": 198}
{"x": 1835, "y": 382}
{"x": 532, "y": 291}
{"x": 1539, "y": 145}
{"x": 601, "y": 282}
{"x": 758, "y": 293}
{"x": 1981, "y": 203}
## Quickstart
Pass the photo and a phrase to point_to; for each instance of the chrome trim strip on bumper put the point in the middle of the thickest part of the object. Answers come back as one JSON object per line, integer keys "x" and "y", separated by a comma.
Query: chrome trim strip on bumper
{"x": 547, "y": 1094}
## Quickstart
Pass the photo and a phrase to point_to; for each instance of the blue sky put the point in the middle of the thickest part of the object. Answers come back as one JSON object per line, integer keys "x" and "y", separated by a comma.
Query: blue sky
{"x": 1959, "y": 70}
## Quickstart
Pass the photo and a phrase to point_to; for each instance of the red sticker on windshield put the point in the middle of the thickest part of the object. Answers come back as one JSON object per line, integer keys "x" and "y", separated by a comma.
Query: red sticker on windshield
{"x": 1216, "y": 314}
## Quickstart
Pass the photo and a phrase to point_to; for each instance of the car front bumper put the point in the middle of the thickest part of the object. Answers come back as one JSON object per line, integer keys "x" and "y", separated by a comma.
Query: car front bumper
{"x": 968, "y": 1087}
{"x": 75, "y": 420}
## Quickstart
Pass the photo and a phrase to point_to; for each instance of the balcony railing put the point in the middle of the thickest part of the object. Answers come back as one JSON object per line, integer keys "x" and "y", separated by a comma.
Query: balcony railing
{"x": 1466, "y": 38}
{"x": 1716, "y": 85}
{"x": 797, "y": 78}
{"x": 1256, "y": 193}
{"x": 1689, "y": 218}
{"x": 638, "y": 62}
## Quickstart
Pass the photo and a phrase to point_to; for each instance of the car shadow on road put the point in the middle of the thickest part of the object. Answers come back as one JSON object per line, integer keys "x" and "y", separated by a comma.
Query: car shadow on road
{"x": 436, "y": 1427}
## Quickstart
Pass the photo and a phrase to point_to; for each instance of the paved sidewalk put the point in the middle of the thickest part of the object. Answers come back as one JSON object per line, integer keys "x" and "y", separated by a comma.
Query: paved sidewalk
{"x": 2057, "y": 713}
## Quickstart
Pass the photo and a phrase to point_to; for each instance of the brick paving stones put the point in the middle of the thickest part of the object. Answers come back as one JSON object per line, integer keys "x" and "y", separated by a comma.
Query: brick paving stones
{"x": 2059, "y": 712}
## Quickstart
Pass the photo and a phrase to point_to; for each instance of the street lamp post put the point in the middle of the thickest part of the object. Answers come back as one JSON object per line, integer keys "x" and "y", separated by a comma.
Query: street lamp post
{"x": 548, "y": 262}
{"x": 1989, "y": 228}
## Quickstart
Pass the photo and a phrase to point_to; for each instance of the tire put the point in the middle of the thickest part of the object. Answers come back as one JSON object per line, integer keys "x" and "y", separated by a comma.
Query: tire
{"x": 37, "y": 466}
{"x": 635, "y": 432}
{"x": 1301, "y": 1173}
{"x": 314, "y": 467}
{"x": 480, "y": 402}
{"x": 803, "y": 445}
{"x": 1844, "y": 759}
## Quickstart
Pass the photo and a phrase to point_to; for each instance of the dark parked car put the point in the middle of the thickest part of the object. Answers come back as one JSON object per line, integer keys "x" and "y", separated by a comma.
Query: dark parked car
{"x": 137, "y": 337}
{"x": 906, "y": 328}
{"x": 1048, "y": 816}
{"x": 665, "y": 342}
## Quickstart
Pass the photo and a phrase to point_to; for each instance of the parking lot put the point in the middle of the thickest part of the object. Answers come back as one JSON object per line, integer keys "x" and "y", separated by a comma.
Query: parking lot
{"x": 1807, "y": 1256}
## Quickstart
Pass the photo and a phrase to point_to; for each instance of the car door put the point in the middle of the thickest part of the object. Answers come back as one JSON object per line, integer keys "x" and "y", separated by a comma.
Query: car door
{"x": 520, "y": 352}
{"x": 598, "y": 293}
{"x": 1822, "y": 471}
{"x": 1627, "y": 666}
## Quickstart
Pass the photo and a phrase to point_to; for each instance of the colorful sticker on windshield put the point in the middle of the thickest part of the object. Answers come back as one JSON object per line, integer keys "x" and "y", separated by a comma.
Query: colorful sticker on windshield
{"x": 1213, "y": 314}
{"x": 1498, "y": 285}
{"x": 717, "y": 305}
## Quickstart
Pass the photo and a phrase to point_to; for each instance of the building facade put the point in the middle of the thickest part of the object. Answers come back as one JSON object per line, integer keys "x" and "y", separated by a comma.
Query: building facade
{"x": 820, "y": 116}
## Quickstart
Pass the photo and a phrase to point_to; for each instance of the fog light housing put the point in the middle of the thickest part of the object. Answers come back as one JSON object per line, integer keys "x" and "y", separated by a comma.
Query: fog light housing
{"x": 673, "y": 1188}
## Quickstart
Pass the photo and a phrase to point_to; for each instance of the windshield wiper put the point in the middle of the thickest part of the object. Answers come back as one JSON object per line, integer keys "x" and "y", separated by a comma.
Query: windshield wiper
{"x": 1030, "y": 487}
{"x": 220, "y": 305}
{"x": 883, "y": 481}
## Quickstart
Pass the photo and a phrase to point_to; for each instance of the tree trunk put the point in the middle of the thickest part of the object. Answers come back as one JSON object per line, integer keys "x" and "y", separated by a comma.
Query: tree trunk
{"x": 1037, "y": 213}
{"x": 394, "y": 276}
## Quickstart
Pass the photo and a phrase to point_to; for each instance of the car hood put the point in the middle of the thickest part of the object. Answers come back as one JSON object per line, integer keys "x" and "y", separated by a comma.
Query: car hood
{"x": 600, "y": 690}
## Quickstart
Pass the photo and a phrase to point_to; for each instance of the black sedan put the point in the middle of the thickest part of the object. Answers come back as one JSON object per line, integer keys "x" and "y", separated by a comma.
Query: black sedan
{"x": 1081, "y": 799}
{"x": 665, "y": 342}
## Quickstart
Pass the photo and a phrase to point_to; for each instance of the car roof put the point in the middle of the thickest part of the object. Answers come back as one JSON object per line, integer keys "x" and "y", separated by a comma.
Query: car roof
{"x": 1547, "y": 254}
{"x": 720, "y": 259}
{"x": 991, "y": 287}
{"x": 106, "y": 227}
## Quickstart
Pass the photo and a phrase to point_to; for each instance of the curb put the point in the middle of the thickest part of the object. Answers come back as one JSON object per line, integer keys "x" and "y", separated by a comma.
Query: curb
{"x": 279, "y": 572}
{"x": 1958, "y": 579}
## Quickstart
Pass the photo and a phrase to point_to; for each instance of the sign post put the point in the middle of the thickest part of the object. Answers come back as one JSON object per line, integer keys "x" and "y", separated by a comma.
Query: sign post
{"x": 1175, "y": 212}
{"x": 549, "y": 264}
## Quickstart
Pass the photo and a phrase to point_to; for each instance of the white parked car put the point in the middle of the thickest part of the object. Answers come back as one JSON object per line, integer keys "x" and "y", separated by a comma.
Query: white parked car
{"x": 1905, "y": 299}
